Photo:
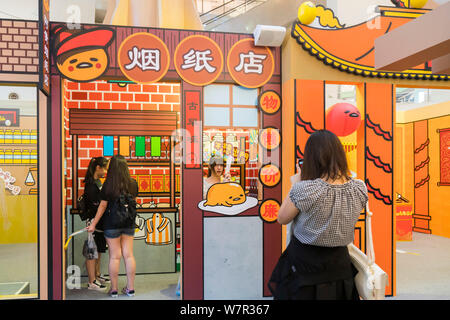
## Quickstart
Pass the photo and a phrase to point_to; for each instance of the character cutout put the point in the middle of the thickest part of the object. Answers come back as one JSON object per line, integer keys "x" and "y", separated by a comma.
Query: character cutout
{"x": 81, "y": 55}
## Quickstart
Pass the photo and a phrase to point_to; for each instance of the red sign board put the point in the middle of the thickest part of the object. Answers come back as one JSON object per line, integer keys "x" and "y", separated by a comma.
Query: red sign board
{"x": 192, "y": 151}
{"x": 248, "y": 65}
{"x": 198, "y": 60}
{"x": 143, "y": 58}
{"x": 444, "y": 137}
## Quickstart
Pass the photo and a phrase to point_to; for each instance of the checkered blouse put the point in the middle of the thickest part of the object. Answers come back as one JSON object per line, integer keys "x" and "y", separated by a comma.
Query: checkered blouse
{"x": 328, "y": 213}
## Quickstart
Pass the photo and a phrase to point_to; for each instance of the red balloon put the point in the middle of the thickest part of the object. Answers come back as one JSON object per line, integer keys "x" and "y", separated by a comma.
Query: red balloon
{"x": 343, "y": 119}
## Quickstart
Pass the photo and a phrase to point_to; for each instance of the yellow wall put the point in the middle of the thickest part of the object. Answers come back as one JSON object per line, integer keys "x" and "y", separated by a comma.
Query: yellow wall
{"x": 438, "y": 116}
{"x": 18, "y": 219}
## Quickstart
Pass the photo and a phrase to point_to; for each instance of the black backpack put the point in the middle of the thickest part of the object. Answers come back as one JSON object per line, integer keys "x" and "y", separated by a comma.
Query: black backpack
{"x": 81, "y": 205}
{"x": 125, "y": 209}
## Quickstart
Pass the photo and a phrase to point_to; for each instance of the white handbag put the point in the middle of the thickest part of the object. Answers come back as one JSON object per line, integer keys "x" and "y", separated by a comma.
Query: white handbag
{"x": 371, "y": 280}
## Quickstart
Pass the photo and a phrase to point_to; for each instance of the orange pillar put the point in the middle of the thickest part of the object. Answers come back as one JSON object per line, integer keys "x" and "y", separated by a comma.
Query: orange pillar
{"x": 379, "y": 158}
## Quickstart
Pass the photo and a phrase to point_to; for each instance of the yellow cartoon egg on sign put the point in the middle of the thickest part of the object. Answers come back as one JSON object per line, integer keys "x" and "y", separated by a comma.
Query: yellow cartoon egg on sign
{"x": 84, "y": 66}
{"x": 81, "y": 55}
{"x": 306, "y": 12}
{"x": 225, "y": 194}
{"x": 417, "y": 4}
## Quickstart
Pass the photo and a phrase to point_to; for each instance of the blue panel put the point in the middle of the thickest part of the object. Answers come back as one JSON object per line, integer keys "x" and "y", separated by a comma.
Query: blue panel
{"x": 245, "y": 96}
{"x": 108, "y": 146}
{"x": 216, "y": 94}
{"x": 245, "y": 117}
{"x": 217, "y": 116}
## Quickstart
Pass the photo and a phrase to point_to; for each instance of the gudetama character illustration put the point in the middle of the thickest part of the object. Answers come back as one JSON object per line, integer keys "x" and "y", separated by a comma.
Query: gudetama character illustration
{"x": 225, "y": 194}
{"x": 81, "y": 56}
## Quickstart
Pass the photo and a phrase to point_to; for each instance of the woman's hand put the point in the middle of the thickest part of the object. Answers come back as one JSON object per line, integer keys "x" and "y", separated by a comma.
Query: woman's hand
{"x": 90, "y": 228}
{"x": 227, "y": 177}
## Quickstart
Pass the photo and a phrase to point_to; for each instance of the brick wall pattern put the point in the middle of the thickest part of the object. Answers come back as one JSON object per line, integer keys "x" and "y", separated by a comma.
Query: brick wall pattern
{"x": 19, "y": 46}
{"x": 103, "y": 95}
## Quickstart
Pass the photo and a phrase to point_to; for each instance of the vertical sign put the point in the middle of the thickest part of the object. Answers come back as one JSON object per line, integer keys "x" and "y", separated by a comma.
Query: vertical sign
{"x": 44, "y": 43}
{"x": 192, "y": 148}
{"x": 444, "y": 137}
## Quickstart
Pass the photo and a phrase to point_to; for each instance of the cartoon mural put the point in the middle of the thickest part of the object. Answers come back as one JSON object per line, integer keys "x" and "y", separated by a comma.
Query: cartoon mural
{"x": 369, "y": 141}
{"x": 81, "y": 55}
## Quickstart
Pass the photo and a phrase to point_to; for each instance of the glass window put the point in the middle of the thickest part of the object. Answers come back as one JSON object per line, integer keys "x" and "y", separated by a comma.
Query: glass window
{"x": 217, "y": 116}
{"x": 216, "y": 94}
{"x": 18, "y": 192}
{"x": 235, "y": 138}
{"x": 245, "y": 117}
{"x": 245, "y": 96}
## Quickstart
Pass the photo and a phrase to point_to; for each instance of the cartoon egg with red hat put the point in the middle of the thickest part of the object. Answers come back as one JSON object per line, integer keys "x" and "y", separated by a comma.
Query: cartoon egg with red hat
{"x": 343, "y": 119}
{"x": 81, "y": 56}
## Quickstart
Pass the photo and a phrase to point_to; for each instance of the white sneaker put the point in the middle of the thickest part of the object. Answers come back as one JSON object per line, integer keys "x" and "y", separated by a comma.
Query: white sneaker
{"x": 96, "y": 286}
{"x": 103, "y": 279}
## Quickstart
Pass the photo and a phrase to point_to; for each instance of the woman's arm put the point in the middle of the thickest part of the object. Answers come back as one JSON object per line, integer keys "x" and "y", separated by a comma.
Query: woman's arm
{"x": 100, "y": 211}
{"x": 288, "y": 211}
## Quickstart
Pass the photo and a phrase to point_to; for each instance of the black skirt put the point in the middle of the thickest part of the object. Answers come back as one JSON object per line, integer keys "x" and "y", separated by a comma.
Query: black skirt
{"x": 307, "y": 272}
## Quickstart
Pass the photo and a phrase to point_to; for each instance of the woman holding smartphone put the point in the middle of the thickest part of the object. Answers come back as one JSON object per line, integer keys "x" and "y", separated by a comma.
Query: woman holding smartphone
{"x": 324, "y": 204}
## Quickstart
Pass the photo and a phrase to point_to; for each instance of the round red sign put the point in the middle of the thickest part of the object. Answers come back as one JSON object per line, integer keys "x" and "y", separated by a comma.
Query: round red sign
{"x": 248, "y": 65}
{"x": 143, "y": 58}
{"x": 198, "y": 60}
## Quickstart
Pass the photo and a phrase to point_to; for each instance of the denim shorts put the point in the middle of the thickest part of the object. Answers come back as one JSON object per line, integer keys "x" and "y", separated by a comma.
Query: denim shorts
{"x": 115, "y": 233}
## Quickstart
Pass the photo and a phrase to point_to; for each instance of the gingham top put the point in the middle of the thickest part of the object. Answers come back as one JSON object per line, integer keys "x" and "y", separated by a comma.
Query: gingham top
{"x": 328, "y": 213}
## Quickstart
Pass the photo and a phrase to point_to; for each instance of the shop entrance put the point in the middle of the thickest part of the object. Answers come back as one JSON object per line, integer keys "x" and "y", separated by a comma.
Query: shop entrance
{"x": 137, "y": 121}
{"x": 422, "y": 180}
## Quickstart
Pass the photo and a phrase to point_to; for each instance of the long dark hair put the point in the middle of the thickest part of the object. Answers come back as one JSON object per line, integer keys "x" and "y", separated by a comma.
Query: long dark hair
{"x": 118, "y": 179}
{"x": 324, "y": 157}
{"x": 213, "y": 162}
{"x": 97, "y": 161}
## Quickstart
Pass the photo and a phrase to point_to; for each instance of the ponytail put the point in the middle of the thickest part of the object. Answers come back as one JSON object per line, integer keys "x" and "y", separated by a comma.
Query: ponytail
{"x": 98, "y": 161}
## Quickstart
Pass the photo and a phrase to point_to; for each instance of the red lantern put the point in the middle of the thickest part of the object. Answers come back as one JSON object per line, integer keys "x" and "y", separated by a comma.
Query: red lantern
{"x": 343, "y": 119}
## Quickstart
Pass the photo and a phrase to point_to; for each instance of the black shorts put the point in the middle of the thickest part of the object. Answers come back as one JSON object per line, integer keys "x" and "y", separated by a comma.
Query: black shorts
{"x": 100, "y": 241}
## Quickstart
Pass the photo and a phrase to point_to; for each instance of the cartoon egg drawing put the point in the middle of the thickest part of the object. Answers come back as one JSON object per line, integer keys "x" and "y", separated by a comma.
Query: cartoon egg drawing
{"x": 225, "y": 194}
{"x": 81, "y": 55}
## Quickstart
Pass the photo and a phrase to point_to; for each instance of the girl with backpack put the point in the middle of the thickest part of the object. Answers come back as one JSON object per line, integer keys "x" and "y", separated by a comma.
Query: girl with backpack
{"x": 92, "y": 187}
{"x": 117, "y": 211}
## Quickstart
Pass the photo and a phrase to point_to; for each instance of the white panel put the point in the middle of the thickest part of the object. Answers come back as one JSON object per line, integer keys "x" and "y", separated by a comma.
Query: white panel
{"x": 233, "y": 258}
{"x": 245, "y": 117}
{"x": 245, "y": 96}
{"x": 216, "y": 94}
{"x": 217, "y": 116}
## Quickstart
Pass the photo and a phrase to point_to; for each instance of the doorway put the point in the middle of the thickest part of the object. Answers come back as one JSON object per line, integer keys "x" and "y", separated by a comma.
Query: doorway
{"x": 422, "y": 188}
{"x": 109, "y": 117}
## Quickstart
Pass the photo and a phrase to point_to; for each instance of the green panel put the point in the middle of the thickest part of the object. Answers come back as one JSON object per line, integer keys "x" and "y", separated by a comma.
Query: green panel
{"x": 155, "y": 143}
{"x": 140, "y": 146}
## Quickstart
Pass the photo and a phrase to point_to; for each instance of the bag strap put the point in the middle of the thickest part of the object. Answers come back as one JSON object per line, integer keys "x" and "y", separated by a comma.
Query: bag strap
{"x": 369, "y": 239}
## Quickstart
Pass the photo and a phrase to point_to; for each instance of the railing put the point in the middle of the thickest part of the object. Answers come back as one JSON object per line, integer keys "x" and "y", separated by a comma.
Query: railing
{"x": 227, "y": 10}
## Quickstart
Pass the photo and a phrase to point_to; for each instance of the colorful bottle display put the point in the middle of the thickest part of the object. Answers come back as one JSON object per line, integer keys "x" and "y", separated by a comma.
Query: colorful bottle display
{"x": 17, "y": 136}
{"x": 16, "y": 156}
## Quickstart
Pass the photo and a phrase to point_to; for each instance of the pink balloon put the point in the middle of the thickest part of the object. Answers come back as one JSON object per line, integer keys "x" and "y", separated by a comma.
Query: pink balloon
{"x": 343, "y": 119}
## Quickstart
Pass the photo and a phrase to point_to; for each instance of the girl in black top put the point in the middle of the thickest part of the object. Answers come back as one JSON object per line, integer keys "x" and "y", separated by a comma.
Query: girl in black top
{"x": 92, "y": 186}
{"x": 119, "y": 235}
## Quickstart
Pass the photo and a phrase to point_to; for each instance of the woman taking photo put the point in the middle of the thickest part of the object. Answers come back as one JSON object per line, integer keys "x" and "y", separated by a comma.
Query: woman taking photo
{"x": 324, "y": 204}
{"x": 215, "y": 174}
{"x": 119, "y": 233}
{"x": 92, "y": 186}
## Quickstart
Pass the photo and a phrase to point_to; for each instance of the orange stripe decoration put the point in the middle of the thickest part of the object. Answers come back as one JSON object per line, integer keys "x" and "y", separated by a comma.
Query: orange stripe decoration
{"x": 386, "y": 167}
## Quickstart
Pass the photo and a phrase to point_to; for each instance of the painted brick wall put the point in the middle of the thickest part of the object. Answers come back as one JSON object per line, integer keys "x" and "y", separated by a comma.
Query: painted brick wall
{"x": 103, "y": 95}
{"x": 19, "y": 46}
